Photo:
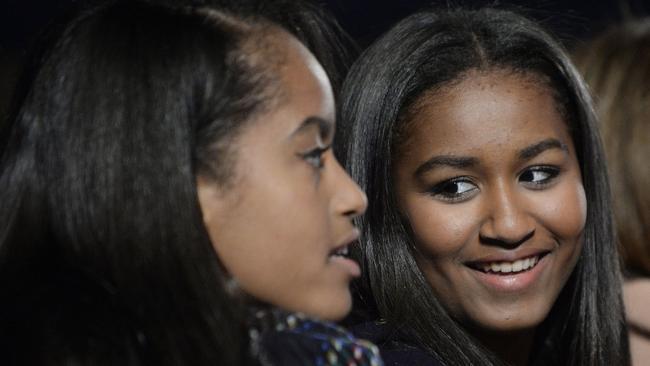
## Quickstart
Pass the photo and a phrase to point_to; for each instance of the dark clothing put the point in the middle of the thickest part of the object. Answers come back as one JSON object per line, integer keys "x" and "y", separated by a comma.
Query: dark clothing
{"x": 394, "y": 349}
{"x": 287, "y": 339}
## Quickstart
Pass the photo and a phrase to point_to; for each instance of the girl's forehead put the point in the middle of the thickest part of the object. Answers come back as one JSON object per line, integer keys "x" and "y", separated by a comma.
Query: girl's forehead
{"x": 473, "y": 81}
{"x": 484, "y": 114}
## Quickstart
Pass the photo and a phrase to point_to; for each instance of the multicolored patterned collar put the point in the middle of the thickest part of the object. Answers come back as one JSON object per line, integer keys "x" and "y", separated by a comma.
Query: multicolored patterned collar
{"x": 280, "y": 338}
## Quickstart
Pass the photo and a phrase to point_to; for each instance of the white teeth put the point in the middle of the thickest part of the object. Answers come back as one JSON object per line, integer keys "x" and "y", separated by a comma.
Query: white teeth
{"x": 341, "y": 251}
{"x": 506, "y": 267}
{"x": 510, "y": 267}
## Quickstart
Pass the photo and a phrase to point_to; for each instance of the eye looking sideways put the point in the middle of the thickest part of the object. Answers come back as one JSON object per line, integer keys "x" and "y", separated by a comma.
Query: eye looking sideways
{"x": 462, "y": 188}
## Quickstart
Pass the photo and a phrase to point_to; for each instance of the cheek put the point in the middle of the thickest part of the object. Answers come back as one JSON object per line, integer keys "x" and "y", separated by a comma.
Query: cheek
{"x": 281, "y": 227}
{"x": 275, "y": 220}
{"x": 441, "y": 230}
{"x": 281, "y": 201}
{"x": 442, "y": 233}
{"x": 564, "y": 210}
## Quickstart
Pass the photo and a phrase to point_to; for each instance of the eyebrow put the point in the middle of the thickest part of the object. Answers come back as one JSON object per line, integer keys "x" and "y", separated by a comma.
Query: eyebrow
{"x": 459, "y": 162}
{"x": 532, "y": 151}
{"x": 325, "y": 127}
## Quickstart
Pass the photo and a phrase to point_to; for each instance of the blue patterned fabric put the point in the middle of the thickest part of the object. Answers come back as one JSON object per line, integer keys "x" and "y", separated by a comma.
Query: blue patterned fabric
{"x": 286, "y": 339}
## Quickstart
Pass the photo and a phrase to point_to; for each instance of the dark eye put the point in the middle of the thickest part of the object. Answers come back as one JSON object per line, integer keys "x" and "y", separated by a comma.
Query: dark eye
{"x": 539, "y": 177}
{"x": 454, "y": 190}
{"x": 315, "y": 157}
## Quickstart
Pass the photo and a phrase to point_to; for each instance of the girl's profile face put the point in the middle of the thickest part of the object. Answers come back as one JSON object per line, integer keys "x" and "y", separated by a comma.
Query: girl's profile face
{"x": 281, "y": 224}
{"x": 489, "y": 180}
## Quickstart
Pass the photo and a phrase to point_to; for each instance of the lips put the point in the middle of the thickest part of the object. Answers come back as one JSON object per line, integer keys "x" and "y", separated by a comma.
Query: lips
{"x": 338, "y": 255}
{"x": 342, "y": 250}
{"x": 508, "y": 272}
{"x": 507, "y": 266}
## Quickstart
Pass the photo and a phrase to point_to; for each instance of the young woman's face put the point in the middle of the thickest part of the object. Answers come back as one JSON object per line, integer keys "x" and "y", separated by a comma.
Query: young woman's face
{"x": 489, "y": 180}
{"x": 279, "y": 226}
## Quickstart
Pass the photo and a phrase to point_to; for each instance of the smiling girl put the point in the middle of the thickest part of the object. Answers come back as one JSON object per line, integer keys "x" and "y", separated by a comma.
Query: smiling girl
{"x": 489, "y": 239}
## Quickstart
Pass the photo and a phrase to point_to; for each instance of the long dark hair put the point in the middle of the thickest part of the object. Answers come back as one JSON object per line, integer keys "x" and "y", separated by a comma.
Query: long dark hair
{"x": 423, "y": 52}
{"x": 99, "y": 217}
{"x": 317, "y": 29}
{"x": 310, "y": 23}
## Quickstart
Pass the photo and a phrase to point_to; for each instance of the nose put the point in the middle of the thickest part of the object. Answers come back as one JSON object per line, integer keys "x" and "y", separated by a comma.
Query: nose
{"x": 508, "y": 222}
{"x": 348, "y": 198}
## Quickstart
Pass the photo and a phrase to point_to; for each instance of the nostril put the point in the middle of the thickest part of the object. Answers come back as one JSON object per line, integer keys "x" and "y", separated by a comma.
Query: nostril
{"x": 351, "y": 214}
{"x": 503, "y": 241}
{"x": 507, "y": 223}
{"x": 356, "y": 211}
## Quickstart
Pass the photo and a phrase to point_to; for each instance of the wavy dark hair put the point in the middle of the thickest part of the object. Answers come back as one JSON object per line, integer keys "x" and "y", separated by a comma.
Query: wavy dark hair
{"x": 426, "y": 51}
{"x": 104, "y": 258}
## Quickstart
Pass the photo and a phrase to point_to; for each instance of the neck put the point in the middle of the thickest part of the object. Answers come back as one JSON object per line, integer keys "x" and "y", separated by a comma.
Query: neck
{"x": 512, "y": 347}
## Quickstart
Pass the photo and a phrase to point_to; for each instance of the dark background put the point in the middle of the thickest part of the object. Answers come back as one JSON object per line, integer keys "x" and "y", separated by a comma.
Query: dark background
{"x": 571, "y": 20}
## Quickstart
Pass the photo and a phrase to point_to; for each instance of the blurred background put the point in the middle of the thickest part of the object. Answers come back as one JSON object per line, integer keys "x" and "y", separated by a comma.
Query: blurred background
{"x": 573, "y": 21}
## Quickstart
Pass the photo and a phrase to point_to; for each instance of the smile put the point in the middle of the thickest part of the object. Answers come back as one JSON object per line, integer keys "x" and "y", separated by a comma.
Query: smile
{"x": 510, "y": 275}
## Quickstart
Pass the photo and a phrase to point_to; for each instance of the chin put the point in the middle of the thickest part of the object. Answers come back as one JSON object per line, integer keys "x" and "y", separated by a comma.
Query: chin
{"x": 334, "y": 308}
{"x": 510, "y": 322}
{"x": 511, "y": 314}
{"x": 337, "y": 312}
{"x": 326, "y": 305}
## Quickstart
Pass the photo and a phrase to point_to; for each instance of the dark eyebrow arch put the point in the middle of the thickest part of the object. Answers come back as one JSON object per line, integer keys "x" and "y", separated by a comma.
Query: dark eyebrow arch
{"x": 459, "y": 162}
{"x": 325, "y": 127}
{"x": 538, "y": 148}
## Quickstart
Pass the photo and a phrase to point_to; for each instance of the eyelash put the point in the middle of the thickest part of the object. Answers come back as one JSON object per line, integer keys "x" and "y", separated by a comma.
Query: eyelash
{"x": 551, "y": 172}
{"x": 314, "y": 157}
{"x": 438, "y": 190}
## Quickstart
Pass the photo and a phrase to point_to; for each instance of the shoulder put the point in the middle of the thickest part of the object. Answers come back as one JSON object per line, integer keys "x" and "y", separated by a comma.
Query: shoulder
{"x": 394, "y": 349}
{"x": 293, "y": 339}
{"x": 65, "y": 319}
